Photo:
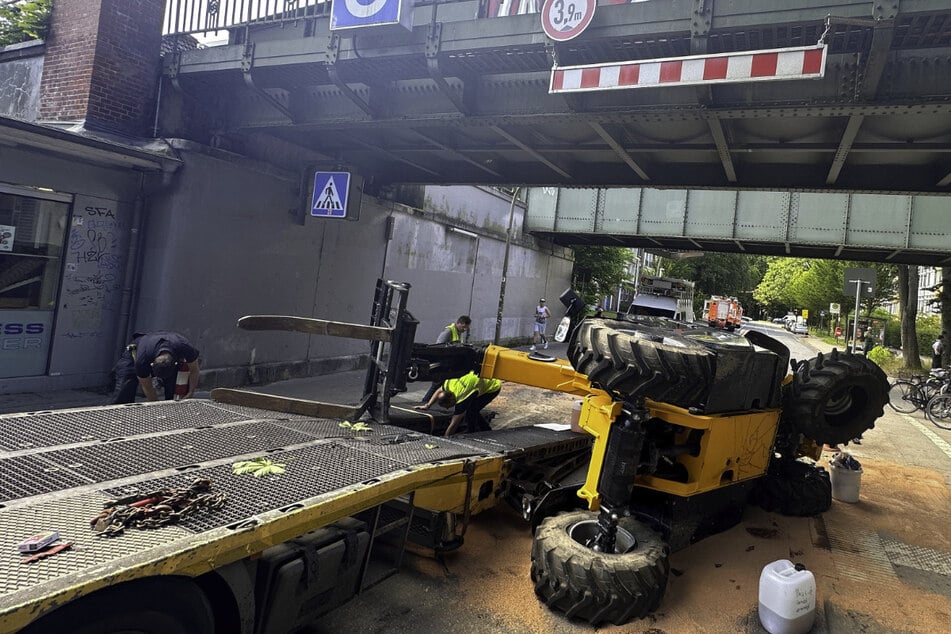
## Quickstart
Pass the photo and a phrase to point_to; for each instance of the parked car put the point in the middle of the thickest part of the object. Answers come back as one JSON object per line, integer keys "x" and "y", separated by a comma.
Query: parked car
{"x": 800, "y": 329}
{"x": 746, "y": 319}
{"x": 779, "y": 320}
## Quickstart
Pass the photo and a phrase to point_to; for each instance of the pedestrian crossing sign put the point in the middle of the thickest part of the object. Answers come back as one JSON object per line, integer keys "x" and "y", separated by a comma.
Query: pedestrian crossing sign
{"x": 330, "y": 194}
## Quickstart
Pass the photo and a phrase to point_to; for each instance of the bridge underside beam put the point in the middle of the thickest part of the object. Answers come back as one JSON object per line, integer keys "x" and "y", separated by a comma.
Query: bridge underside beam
{"x": 906, "y": 229}
{"x": 878, "y": 120}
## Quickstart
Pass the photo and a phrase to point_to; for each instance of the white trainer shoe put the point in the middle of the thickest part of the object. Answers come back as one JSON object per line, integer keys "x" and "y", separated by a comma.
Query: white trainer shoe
{"x": 532, "y": 349}
{"x": 546, "y": 345}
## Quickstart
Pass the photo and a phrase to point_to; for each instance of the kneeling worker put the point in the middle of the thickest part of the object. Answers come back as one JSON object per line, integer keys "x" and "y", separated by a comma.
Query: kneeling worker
{"x": 155, "y": 354}
{"x": 467, "y": 395}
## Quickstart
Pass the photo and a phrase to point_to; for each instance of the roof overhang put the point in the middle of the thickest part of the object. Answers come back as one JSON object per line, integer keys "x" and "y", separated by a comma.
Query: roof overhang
{"x": 52, "y": 140}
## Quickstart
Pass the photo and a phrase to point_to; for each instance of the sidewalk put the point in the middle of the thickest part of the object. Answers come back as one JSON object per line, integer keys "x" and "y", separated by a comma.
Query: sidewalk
{"x": 345, "y": 388}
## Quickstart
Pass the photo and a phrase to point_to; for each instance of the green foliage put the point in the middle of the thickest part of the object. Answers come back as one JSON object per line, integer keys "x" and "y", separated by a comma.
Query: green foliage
{"x": 799, "y": 283}
{"x": 928, "y": 330}
{"x": 775, "y": 291}
{"x": 23, "y": 21}
{"x": 892, "y": 333}
{"x": 600, "y": 270}
{"x": 727, "y": 274}
{"x": 884, "y": 359}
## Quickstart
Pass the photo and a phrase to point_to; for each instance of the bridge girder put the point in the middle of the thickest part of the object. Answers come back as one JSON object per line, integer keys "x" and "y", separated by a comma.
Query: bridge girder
{"x": 465, "y": 101}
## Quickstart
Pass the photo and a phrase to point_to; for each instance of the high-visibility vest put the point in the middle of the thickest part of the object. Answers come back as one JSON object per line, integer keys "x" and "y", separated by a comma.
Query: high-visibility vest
{"x": 454, "y": 333}
{"x": 469, "y": 384}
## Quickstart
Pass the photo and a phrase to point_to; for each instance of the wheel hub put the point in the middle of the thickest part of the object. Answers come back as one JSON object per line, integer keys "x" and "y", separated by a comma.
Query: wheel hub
{"x": 587, "y": 533}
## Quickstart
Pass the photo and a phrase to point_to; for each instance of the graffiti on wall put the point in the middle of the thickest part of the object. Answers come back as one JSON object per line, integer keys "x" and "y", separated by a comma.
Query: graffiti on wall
{"x": 92, "y": 284}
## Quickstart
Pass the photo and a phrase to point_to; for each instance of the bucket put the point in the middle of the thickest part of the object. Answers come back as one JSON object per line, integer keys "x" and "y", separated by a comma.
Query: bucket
{"x": 576, "y": 417}
{"x": 787, "y": 598}
{"x": 845, "y": 483}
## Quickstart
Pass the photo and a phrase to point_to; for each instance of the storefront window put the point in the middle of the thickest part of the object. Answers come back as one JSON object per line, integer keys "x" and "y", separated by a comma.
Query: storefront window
{"x": 32, "y": 231}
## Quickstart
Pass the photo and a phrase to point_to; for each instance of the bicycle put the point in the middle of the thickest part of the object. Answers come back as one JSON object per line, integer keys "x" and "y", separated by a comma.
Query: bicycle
{"x": 909, "y": 395}
{"x": 938, "y": 410}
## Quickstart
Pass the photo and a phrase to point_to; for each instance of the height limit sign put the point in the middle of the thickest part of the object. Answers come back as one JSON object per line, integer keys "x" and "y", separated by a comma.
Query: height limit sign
{"x": 563, "y": 20}
{"x": 330, "y": 194}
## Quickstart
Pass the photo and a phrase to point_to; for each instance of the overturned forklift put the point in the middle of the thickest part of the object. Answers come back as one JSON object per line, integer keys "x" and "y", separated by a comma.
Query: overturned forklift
{"x": 689, "y": 425}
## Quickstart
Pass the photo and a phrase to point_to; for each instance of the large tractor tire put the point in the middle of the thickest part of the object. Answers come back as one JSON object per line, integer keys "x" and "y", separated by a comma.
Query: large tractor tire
{"x": 836, "y": 398}
{"x": 794, "y": 488}
{"x": 631, "y": 359}
{"x": 594, "y": 586}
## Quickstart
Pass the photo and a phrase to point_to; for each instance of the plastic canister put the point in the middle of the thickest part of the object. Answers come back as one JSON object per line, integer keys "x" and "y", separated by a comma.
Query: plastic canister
{"x": 787, "y": 598}
{"x": 845, "y": 483}
{"x": 576, "y": 417}
{"x": 181, "y": 381}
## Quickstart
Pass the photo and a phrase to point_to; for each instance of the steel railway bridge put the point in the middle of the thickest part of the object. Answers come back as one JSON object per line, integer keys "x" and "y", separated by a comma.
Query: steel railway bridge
{"x": 476, "y": 93}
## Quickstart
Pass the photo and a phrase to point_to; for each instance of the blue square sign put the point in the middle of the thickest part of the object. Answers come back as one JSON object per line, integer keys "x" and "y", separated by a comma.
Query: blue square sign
{"x": 352, "y": 14}
{"x": 330, "y": 194}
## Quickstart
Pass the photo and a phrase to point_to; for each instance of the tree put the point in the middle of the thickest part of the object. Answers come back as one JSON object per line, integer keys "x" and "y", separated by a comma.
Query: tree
{"x": 23, "y": 20}
{"x": 600, "y": 270}
{"x": 728, "y": 274}
{"x": 798, "y": 283}
{"x": 776, "y": 288}
{"x": 908, "y": 301}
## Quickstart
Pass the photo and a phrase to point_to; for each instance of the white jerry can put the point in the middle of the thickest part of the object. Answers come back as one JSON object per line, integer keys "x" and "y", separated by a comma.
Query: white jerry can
{"x": 787, "y": 598}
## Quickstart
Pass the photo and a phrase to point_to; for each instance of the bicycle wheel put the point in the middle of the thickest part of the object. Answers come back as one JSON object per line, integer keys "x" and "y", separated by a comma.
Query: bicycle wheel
{"x": 902, "y": 396}
{"x": 938, "y": 411}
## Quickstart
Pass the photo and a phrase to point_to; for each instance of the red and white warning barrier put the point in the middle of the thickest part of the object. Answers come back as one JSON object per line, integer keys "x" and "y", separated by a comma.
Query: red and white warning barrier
{"x": 807, "y": 62}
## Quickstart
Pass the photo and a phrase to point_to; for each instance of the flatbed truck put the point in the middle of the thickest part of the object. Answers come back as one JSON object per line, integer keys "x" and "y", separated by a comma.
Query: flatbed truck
{"x": 683, "y": 425}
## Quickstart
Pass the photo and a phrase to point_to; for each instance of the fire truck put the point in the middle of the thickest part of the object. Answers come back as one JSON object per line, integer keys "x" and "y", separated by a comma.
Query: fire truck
{"x": 723, "y": 312}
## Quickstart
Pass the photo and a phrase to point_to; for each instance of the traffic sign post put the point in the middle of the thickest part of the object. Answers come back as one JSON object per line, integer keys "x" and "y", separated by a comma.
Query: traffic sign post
{"x": 563, "y": 20}
{"x": 331, "y": 190}
{"x": 859, "y": 281}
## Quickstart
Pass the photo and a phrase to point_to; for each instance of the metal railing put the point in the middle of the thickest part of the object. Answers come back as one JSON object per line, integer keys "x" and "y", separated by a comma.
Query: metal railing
{"x": 205, "y": 16}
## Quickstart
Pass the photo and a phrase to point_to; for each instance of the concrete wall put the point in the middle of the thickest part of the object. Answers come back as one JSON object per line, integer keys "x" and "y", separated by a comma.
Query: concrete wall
{"x": 221, "y": 238}
{"x": 21, "y": 67}
{"x": 454, "y": 273}
{"x": 221, "y": 243}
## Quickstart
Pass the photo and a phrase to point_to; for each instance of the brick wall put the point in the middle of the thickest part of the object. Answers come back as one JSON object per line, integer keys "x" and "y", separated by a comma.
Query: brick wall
{"x": 102, "y": 60}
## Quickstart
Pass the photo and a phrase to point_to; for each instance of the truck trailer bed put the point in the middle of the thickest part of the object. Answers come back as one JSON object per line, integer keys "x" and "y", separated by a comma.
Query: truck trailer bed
{"x": 59, "y": 468}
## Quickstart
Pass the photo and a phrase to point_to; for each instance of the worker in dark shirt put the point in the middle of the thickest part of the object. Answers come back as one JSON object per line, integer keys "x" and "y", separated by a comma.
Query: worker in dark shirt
{"x": 155, "y": 354}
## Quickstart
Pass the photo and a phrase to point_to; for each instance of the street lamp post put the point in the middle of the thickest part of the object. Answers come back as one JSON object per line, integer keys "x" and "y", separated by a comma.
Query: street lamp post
{"x": 858, "y": 295}
{"x": 505, "y": 268}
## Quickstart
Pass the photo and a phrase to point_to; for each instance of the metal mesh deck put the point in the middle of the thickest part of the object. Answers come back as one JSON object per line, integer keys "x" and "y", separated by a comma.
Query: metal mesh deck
{"x": 310, "y": 472}
{"x": 126, "y": 450}
{"x": 64, "y": 427}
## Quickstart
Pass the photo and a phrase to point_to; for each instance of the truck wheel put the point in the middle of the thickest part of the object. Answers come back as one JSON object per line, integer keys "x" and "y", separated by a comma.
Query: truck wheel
{"x": 593, "y": 586}
{"x": 794, "y": 488}
{"x": 153, "y": 606}
{"x": 836, "y": 398}
{"x": 631, "y": 359}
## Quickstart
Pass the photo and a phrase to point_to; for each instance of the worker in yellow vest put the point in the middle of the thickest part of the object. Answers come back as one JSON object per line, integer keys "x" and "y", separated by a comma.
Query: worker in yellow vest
{"x": 467, "y": 396}
{"x": 457, "y": 332}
